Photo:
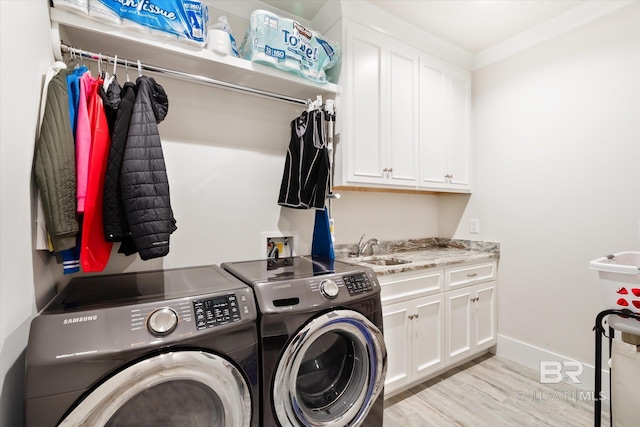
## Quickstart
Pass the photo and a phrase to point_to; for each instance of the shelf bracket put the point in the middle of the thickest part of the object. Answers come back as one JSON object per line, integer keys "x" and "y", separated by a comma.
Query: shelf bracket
{"x": 56, "y": 41}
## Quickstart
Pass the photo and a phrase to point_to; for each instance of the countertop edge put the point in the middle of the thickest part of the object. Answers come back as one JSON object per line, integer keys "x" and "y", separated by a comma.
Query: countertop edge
{"x": 426, "y": 259}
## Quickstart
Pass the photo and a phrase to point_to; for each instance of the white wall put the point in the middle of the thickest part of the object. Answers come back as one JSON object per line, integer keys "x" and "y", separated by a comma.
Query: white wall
{"x": 557, "y": 133}
{"x": 225, "y": 154}
{"x": 25, "y": 56}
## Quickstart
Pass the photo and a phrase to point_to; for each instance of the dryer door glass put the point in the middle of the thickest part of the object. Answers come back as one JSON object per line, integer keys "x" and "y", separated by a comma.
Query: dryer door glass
{"x": 331, "y": 372}
{"x": 171, "y": 403}
{"x": 178, "y": 389}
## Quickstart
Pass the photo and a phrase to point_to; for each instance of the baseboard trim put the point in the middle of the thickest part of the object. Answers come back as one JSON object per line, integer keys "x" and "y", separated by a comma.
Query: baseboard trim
{"x": 530, "y": 356}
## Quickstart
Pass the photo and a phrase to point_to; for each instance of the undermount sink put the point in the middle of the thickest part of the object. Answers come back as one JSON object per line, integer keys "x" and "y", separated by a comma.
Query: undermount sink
{"x": 384, "y": 261}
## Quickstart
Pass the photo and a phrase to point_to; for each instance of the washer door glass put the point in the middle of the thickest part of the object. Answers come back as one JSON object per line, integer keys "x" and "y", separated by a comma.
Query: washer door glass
{"x": 187, "y": 388}
{"x": 331, "y": 372}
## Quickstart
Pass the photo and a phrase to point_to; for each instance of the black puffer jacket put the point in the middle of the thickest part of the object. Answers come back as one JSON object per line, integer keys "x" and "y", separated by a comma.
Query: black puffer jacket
{"x": 114, "y": 218}
{"x": 143, "y": 176}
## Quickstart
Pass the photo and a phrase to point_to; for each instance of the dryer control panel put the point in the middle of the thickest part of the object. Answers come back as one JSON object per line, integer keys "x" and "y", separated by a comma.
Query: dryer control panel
{"x": 218, "y": 311}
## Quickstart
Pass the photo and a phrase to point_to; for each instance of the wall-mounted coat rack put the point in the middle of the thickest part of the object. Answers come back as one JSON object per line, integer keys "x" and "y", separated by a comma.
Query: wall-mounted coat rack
{"x": 180, "y": 75}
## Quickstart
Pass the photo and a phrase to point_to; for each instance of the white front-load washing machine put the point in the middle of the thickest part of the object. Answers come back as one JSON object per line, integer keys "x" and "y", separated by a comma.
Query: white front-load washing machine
{"x": 161, "y": 348}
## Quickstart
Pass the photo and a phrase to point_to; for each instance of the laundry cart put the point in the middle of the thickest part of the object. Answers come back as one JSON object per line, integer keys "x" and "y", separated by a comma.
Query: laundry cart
{"x": 619, "y": 276}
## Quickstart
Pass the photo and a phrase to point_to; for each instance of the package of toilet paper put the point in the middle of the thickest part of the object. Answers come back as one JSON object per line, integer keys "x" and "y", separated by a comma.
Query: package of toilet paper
{"x": 288, "y": 45}
{"x": 183, "y": 20}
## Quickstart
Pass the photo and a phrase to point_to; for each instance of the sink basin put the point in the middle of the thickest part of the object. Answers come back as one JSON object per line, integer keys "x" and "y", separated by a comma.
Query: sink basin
{"x": 384, "y": 261}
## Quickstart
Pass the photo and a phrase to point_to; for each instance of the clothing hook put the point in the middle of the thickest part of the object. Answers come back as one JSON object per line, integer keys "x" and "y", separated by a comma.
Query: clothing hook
{"x": 139, "y": 69}
{"x": 72, "y": 54}
{"x": 79, "y": 52}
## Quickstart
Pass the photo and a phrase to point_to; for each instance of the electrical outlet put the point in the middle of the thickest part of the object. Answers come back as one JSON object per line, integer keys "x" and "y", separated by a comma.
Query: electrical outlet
{"x": 474, "y": 225}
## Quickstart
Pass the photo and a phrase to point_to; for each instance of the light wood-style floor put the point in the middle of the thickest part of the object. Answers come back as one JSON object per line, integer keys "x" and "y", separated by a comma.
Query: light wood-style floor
{"x": 491, "y": 392}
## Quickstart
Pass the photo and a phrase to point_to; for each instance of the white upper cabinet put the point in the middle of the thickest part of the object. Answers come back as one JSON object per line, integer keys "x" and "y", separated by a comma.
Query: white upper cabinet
{"x": 364, "y": 130}
{"x": 405, "y": 116}
{"x": 402, "y": 132}
{"x": 381, "y": 105}
{"x": 445, "y": 97}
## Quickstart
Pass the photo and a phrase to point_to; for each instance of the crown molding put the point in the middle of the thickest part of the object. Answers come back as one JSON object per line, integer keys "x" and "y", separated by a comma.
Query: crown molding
{"x": 578, "y": 16}
{"x": 367, "y": 13}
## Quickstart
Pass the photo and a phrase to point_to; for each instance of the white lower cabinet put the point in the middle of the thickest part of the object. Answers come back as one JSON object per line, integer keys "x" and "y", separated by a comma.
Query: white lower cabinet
{"x": 470, "y": 321}
{"x": 413, "y": 335}
{"x": 427, "y": 329}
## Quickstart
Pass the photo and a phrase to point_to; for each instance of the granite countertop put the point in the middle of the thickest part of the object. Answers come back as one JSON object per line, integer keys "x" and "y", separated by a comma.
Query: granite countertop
{"x": 422, "y": 254}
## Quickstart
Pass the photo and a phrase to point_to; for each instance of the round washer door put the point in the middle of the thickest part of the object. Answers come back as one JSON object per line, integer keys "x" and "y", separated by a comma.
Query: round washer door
{"x": 331, "y": 372}
{"x": 185, "y": 388}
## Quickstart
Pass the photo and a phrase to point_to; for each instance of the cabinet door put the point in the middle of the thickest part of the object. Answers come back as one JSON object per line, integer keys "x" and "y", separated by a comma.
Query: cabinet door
{"x": 365, "y": 136}
{"x": 445, "y": 99}
{"x": 485, "y": 315}
{"x": 427, "y": 343}
{"x": 458, "y": 158}
{"x": 403, "y": 150}
{"x": 433, "y": 125}
{"x": 458, "y": 340}
{"x": 397, "y": 336}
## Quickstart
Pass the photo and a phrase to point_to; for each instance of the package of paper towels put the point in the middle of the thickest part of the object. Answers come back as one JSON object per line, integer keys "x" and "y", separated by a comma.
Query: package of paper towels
{"x": 181, "y": 20}
{"x": 287, "y": 45}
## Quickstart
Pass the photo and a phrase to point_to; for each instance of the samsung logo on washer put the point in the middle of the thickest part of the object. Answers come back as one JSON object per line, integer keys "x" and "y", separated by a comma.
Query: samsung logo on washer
{"x": 80, "y": 319}
{"x": 286, "y": 285}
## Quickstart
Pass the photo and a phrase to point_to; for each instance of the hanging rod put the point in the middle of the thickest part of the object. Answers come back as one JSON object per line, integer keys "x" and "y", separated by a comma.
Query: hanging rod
{"x": 181, "y": 75}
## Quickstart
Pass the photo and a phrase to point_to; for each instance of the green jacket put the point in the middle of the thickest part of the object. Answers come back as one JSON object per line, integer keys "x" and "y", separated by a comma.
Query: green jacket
{"x": 55, "y": 166}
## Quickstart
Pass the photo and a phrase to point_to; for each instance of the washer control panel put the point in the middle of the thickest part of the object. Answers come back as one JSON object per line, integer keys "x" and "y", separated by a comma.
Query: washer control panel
{"x": 324, "y": 290}
{"x": 217, "y": 311}
{"x": 357, "y": 283}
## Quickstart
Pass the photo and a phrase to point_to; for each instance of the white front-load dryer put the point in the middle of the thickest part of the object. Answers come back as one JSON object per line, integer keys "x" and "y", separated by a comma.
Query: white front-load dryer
{"x": 168, "y": 348}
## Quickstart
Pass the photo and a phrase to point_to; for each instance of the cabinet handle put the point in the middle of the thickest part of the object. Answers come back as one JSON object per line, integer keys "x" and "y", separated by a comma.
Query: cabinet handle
{"x": 385, "y": 170}
{"x": 411, "y": 317}
{"x": 390, "y": 170}
{"x": 472, "y": 274}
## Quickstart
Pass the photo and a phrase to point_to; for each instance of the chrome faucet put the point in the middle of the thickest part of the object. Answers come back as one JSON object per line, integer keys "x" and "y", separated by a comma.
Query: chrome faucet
{"x": 362, "y": 248}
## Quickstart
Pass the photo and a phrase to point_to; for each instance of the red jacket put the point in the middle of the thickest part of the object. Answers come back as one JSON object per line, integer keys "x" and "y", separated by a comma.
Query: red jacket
{"x": 95, "y": 250}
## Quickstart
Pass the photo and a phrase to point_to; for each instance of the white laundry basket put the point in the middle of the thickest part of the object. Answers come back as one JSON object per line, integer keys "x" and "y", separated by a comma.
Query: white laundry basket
{"x": 620, "y": 286}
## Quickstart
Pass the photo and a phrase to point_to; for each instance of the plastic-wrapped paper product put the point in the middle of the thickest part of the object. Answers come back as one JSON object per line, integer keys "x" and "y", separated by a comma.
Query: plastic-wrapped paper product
{"x": 80, "y": 7}
{"x": 100, "y": 12}
{"x": 287, "y": 45}
{"x": 221, "y": 38}
{"x": 183, "y": 20}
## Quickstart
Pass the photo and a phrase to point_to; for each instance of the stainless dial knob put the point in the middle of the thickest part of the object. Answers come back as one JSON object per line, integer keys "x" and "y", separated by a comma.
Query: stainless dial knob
{"x": 162, "y": 321}
{"x": 329, "y": 289}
